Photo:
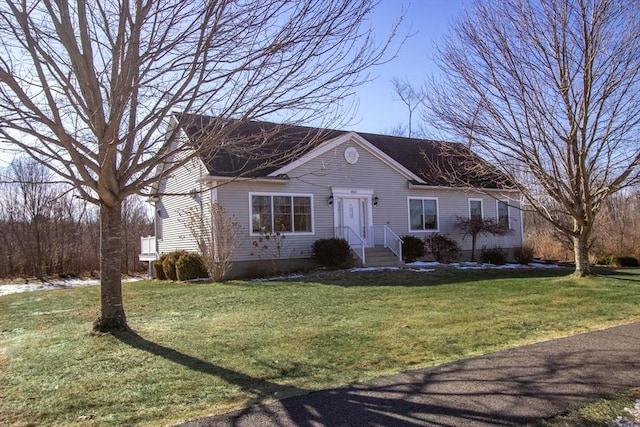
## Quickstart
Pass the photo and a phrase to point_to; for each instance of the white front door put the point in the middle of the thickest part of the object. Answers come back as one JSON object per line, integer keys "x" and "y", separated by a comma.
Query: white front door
{"x": 352, "y": 208}
{"x": 354, "y": 216}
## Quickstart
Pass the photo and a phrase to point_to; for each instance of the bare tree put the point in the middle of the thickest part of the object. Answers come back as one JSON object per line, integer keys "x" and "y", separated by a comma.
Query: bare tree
{"x": 411, "y": 97}
{"x": 86, "y": 88}
{"x": 476, "y": 226}
{"x": 549, "y": 92}
{"x": 216, "y": 234}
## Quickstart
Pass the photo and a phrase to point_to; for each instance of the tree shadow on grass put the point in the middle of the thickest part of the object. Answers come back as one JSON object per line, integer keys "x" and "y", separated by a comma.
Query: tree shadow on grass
{"x": 508, "y": 388}
{"x": 630, "y": 274}
{"x": 259, "y": 388}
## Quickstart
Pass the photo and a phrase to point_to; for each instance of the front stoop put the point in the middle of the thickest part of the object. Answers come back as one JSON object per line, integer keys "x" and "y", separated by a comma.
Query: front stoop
{"x": 381, "y": 257}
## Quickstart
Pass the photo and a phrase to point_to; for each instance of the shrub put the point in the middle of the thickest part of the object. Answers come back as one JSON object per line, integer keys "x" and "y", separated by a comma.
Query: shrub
{"x": 332, "y": 253}
{"x": 190, "y": 266}
{"x": 412, "y": 248}
{"x": 169, "y": 264}
{"x": 523, "y": 255}
{"x": 442, "y": 248}
{"x": 68, "y": 275}
{"x": 158, "y": 268}
{"x": 495, "y": 256}
{"x": 619, "y": 261}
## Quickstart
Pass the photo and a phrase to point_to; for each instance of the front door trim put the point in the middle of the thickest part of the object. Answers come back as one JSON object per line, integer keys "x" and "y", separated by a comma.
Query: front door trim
{"x": 365, "y": 196}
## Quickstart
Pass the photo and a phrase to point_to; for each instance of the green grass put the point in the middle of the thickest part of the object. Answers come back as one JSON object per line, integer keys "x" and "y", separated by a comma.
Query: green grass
{"x": 597, "y": 414}
{"x": 204, "y": 348}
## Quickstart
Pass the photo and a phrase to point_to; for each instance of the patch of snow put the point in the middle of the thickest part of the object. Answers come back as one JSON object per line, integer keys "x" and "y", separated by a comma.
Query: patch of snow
{"x": 543, "y": 265}
{"x": 424, "y": 264}
{"x": 422, "y": 270}
{"x": 356, "y": 269}
{"x": 15, "y": 288}
{"x": 633, "y": 421}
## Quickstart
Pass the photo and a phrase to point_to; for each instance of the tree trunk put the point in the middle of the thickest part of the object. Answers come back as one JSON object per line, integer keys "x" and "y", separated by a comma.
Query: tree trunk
{"x": 112, "y": 317}
{"x": 474, "y": 238}
{"x": 581, "y": 255}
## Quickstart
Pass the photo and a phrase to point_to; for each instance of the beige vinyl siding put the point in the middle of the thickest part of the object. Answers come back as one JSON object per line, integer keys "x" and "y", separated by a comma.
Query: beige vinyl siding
{"x": 185, "y": 192}
{"x": 317, "y": 179}
{"x": 455, "y": 203}
{"x": 330, "y": 170}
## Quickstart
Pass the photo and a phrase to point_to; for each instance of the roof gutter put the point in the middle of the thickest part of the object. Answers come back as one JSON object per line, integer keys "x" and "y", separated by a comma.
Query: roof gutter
{"x": 418, "y": 186}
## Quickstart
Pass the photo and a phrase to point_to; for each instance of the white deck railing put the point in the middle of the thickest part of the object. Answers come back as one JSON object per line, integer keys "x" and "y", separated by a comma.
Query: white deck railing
{"x": 148, "y": 248}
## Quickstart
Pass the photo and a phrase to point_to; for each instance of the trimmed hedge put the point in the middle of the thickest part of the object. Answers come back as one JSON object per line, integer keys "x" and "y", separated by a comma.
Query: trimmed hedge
{"x": 332, "y": 253}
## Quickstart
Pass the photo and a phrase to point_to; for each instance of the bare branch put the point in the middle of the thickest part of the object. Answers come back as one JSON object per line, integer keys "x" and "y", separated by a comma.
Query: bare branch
{"x": 548, "y": 92}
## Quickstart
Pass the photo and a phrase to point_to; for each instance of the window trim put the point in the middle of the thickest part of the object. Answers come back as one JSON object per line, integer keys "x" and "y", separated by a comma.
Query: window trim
{"x": 481, "y": 206}
{"x": 505, "y": 201}
{"x": 290, "y": 195}
{"x": 431, "y": 230}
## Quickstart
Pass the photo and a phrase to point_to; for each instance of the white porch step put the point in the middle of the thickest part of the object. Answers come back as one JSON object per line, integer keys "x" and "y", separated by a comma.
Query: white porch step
{"x": 381, "y": 257}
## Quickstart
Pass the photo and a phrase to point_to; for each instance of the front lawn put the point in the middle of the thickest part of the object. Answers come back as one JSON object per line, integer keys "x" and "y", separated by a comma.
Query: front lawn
{"x": 198, "y": 349}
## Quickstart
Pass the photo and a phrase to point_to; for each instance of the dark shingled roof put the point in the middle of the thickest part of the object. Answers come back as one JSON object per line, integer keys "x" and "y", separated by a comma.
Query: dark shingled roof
{"x": 256, "y": 149}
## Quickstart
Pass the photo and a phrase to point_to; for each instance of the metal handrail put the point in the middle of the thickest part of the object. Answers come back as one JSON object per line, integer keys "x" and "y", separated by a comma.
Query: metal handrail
{"x": 396, "y": 239}
{"x": 340, "y": 232}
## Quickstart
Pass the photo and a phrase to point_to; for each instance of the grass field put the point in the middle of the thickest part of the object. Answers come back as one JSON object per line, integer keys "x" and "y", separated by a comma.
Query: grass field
{"x": 203, "y": 348}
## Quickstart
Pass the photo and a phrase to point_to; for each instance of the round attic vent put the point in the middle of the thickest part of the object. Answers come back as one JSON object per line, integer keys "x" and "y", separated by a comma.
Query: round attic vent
{"x": 351, "y": 155}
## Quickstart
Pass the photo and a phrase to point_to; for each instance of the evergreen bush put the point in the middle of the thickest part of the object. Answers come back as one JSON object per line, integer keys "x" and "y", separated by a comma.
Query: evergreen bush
{"x": 190, "y": 266}
{"x": 158, "y": 268}
{"x": 169, "y": 264}
{"x": 332, "y": 253}
{"x": 412, "y": 248}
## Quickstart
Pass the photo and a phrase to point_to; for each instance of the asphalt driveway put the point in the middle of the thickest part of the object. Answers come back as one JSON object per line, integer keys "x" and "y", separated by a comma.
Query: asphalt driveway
{"x": 507, "y": 388}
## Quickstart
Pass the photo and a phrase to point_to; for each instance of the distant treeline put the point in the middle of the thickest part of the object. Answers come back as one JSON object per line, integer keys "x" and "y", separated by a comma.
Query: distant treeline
{"x": 46, "y": 231}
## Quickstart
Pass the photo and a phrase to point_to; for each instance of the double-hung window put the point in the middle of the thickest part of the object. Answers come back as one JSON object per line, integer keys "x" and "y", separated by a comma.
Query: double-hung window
{"x": 281, "y": 213}
{"x": 475, "y": 209}
{"x": 423, "y": 214}
{"x": 503, "y": 214}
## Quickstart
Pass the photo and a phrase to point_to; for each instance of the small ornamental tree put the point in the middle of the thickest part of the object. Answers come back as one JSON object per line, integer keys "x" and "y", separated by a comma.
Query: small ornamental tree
{"x": 217, "y": 235}
{"x": 476, "y": 226}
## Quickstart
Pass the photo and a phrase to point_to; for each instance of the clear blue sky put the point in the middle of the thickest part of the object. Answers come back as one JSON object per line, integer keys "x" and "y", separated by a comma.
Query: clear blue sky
{"x": 428, "y": 21}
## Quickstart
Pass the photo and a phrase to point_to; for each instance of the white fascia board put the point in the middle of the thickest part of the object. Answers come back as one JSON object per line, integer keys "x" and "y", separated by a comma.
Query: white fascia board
{"x": 461, "y": 189}
{"x": 336, "y": 142}
{"x": 214, "y": 180}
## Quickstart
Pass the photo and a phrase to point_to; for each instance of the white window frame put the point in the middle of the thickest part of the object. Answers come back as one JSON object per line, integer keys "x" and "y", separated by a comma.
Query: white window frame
{"x": 506, "y": 202}
{"x": 481, "y": 206}
{"x": 272, "y": 195}
{"x": 422, "y": 199}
